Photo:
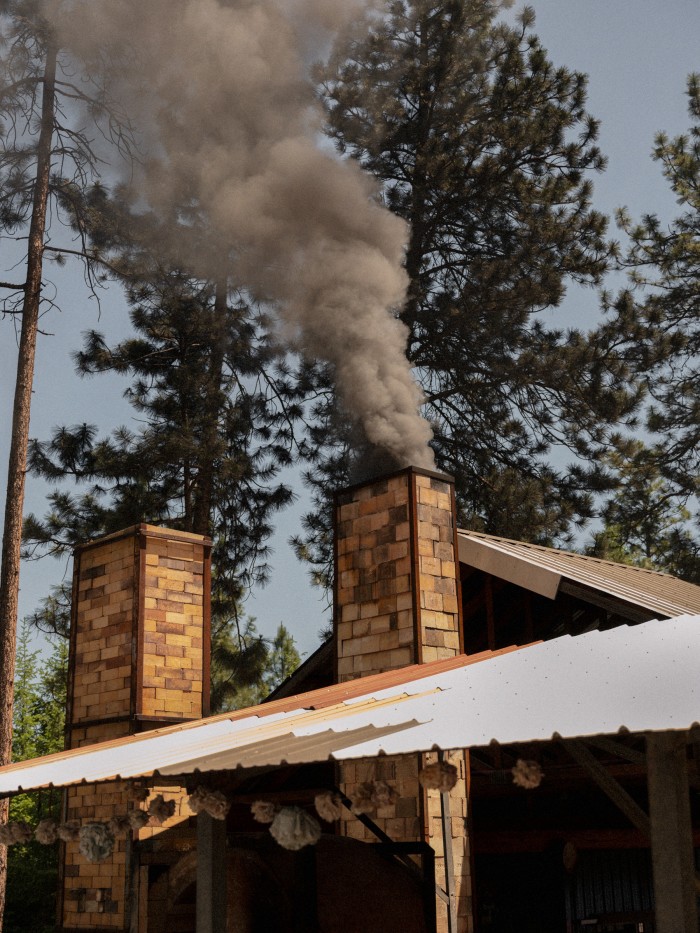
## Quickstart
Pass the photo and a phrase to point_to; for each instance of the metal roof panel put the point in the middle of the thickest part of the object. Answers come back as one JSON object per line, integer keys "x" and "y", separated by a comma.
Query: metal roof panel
{"x": 638, "y": 678}
{"x": 538, "y": 568}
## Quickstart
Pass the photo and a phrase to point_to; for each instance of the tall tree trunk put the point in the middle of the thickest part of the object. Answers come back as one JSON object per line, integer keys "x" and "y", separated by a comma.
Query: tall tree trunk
{"x": 12, "y": 535}
{"x": 435, "y": 58}
{"x": 419, "y": 189}
{"x": 201, "y": 514}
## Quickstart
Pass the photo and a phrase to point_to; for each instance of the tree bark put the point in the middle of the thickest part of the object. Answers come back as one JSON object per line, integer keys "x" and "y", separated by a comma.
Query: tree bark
{"x": 201, "y": 514}
{"x": 12, "y": 534}
{"x": 435, "y": 57}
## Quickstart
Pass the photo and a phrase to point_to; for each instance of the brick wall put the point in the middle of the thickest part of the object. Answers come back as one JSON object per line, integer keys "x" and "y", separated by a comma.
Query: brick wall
{"x": 397, "y": 603}
{"x": 139, "y": 658}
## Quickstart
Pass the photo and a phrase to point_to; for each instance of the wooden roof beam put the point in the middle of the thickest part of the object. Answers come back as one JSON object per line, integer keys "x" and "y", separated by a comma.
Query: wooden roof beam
{"x": 614, "y": 790}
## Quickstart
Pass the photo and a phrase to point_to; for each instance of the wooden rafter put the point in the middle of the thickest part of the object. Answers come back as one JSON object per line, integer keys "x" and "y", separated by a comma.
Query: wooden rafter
{"x": 614, "y": 790}
{"x": 617, "y": 748}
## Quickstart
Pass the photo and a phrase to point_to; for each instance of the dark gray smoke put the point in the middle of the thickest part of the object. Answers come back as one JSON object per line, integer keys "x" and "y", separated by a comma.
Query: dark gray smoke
{"x": 224, "y": 111}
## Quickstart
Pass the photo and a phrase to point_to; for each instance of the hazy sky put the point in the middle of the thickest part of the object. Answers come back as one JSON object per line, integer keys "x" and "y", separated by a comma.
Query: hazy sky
{"x": 637, "y": 54}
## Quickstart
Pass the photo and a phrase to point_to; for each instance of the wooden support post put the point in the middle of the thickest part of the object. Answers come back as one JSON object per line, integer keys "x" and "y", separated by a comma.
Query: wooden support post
{"x": 490, "y": 616}
{"x": 211, "y": 874}
{"x": 449, "y": 857}
{"x": 671, "y": 833}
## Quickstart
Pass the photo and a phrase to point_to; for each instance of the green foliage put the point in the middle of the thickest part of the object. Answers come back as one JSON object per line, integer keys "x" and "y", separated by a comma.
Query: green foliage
{"x": 83, "y": 110}
{"x": 283, "y": 660}
{"x": 655, "y": 324}
{"x": 25, "y": 715}
{"x": 643, "y": 523}
{"x": 51, "y": 703}
{"x": 245, "y": 669}
{"x": 38, "y": 722}
{"x": 40, "y": 698}
{"x": 657, "y": 319}
{"x": 24, "y": 40}
{"x": 485, "y": 148}
{"x": 216, "y": 405}
{"x": 215, "y": 410}
{"x": 52, "y": 616}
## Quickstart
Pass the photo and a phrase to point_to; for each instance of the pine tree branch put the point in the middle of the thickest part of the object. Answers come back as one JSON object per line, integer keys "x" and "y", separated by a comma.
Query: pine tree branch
{"x": 90, "y": 257}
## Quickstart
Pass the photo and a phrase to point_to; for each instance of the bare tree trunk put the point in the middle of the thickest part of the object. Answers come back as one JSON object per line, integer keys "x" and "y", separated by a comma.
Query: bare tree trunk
{"x": 12, "y": 535}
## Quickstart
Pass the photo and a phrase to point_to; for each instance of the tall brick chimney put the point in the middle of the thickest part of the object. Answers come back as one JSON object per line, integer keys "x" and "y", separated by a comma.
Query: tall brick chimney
{"x": 396, "y": 579}
{"x": 397, "y": 602}
{"x": 139, "y": 658}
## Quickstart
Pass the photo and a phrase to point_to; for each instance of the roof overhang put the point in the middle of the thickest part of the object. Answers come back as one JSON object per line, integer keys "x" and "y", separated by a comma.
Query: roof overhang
{"x": 635, "y": 593}
{"x": 491, "y": 558}
{"x": 636, "y": 679}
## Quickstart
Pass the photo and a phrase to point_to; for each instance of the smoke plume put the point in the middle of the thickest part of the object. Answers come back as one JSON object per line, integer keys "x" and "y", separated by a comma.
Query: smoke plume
{"x": 220, "y": 98}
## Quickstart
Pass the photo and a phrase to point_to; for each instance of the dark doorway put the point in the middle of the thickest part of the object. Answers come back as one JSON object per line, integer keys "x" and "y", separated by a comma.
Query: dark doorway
{"x": 521, "y": 893}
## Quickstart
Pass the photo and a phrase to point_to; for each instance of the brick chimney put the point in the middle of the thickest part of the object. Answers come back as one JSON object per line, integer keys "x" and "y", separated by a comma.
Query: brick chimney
{"x": 139, "y": 658}
{"x": 397, "y": 602}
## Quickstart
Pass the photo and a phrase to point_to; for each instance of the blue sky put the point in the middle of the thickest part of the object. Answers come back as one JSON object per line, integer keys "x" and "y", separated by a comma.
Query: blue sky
{"x": 637, "y": 54}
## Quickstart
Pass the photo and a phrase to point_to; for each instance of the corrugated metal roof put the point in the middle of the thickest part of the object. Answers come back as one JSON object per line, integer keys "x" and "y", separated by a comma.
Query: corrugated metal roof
{"x": 541, "y": 570}
{"x": 637, "y": 678}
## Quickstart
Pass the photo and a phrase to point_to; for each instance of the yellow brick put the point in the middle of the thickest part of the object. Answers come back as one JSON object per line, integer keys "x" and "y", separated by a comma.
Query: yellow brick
{"x": 368, "y": 610}
{"x": 428, "y": 532}
{"x": 432, "y": 601}
{"x": 431, "y": 565}
{"x": 450, "y": 603}
{"x": 427, "y": 496}
{"x": 401, "y": 656}
{"x": 389, "y": 640}
{"x": 172, "y": 575}
{"x": 448, "y": 569}
{"x": 404, "y": 601}
{"x": 377, "y": 626}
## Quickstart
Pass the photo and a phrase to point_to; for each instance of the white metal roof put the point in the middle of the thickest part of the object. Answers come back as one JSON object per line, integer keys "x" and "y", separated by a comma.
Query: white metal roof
{"x": 637, "y": 678}
{"x": 542, "y": 570}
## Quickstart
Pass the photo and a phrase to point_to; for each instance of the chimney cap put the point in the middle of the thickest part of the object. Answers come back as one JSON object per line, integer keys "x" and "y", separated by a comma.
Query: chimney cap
{"x": 146, "y": 531}
{"x": 381, "y": 477}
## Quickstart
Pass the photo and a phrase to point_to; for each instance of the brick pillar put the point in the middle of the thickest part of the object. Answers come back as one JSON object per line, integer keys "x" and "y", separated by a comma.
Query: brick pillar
{"x": 397, "y": 602}
{"x": 139, "y": 658}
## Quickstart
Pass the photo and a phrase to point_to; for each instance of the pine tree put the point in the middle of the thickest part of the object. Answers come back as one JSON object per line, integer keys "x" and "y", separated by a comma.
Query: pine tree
{"x": 238, "y": 681}
{"x": 51, "y": 700}
{"x": 211, "y": 442}
{"x": 485, "y": 148}
{"x": 657, "y": 319}
{"x": 217, "y": 409}
{"x": 38, "y": 729}
{"x": 47, "y": 151}
{"x": 644, "y": 524}
{"x": 52, "y": 616}
{"x": 20, "y": 205}
{"x": 283, "y": 660}
{"x": 25, "y": 721}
